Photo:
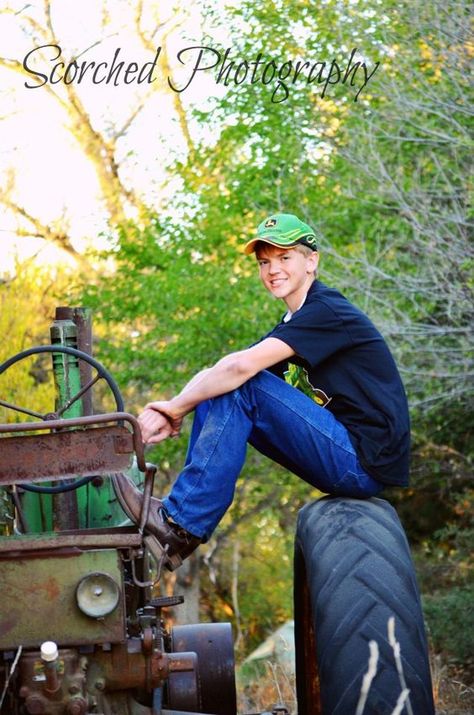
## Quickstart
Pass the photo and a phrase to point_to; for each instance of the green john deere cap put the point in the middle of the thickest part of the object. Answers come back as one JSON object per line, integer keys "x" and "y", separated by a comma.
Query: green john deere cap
{"x": 284, "y": 231}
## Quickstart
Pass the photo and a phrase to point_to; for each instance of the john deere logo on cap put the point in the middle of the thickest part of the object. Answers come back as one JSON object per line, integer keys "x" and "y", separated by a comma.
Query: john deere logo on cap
{"x": 270, "y": 222}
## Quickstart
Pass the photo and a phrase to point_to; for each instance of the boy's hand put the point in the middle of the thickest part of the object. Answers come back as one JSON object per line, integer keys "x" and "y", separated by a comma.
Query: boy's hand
{"x": 155, "y": 426}
{"x": 168, "y": 409}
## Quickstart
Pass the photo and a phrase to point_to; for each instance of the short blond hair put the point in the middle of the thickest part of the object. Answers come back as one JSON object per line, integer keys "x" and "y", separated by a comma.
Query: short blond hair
{"x": 305, "y": 250}
{"x": 300, "y": 247}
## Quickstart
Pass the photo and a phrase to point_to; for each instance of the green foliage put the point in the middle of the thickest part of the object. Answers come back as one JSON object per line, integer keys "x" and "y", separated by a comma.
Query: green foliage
{"x": 383, "y": 180}
{"x": 447, "y": 615}
{"x": 175, "y": 305}
{"x": 445, "y": 566}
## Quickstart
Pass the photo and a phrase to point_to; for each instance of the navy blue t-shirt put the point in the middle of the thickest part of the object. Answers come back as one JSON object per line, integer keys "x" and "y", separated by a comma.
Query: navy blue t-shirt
{"x": 353, "y": 374}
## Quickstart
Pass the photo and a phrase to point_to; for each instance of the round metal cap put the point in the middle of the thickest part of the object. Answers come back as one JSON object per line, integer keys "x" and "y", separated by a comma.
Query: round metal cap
{"x": 97, "y": 595}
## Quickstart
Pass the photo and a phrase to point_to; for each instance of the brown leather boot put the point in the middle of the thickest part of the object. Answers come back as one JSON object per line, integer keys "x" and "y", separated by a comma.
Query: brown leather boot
{"x": 178, "y": 542}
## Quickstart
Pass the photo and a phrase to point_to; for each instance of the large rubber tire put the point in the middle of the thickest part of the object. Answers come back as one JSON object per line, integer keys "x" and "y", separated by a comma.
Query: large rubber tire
{"x": 353, "y": 571}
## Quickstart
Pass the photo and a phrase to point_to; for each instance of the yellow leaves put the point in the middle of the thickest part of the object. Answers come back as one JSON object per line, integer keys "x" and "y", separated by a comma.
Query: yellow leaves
{"x": 425, "y": 50}
{"x": 327, "y": 106}
{"x": 464, "y": 506}
{"x": 26, "y": 312}
{"x": 242, "y": 269}
{"x": 210, "y": 257}
{"x": 432, "y": 61}
{"x": 228, "y": 610}
{"x": 332, "y": 126}
{"x": 184, "y": 315}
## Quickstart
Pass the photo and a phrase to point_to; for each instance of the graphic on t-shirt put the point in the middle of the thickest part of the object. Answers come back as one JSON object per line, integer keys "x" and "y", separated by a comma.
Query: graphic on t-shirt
{"x": 321, "y": 398}
{"x": 297, "y": 376}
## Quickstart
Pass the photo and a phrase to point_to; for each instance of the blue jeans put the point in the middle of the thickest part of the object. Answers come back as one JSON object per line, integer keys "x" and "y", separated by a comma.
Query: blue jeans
{"x": 281, "y": 423}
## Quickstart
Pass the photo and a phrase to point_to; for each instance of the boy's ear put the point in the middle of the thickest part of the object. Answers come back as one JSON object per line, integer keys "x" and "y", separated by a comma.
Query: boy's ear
{"x": 313, "y": 262}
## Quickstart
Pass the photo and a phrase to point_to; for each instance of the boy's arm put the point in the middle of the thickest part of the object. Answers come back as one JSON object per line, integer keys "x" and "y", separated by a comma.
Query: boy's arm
{"x": 226, "y": 375}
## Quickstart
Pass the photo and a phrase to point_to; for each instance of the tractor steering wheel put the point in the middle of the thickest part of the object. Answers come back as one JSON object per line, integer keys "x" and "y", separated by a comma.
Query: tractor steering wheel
{"x": 101, "y": 373}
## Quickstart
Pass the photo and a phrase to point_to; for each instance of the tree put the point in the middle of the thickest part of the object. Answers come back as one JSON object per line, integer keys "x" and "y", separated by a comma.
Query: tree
{"x": 384, "y": 181}
{"x": 27, "y": 306}
{"x": 101, "y": 134}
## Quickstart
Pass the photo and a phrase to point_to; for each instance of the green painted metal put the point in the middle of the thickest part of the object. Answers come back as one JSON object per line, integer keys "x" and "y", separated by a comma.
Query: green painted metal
{"x": 67, "y": 376}
{"x": 101, "y": 506}
{"x": 38, "y": 512}
{"x": 47, "y": 586}
{"x": 40, "y": 509}
{"x": 94, "y": 505}
{"x": 67, "y": 380}
{"x": 97, "y": 504}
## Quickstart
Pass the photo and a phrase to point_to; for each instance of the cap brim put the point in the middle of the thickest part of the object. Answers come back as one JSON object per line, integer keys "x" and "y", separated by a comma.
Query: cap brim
{"x": 250, "y": 246}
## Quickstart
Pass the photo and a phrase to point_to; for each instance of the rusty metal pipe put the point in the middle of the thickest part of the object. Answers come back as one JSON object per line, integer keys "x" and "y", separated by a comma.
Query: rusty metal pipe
{"x": 126, "y": 666}
{"x": 85, "y": 422}
{"x": 49, "y": 656}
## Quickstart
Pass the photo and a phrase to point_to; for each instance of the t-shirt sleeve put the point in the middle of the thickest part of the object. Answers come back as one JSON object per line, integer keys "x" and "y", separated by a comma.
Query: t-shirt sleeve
{"x": 315, "y": 332}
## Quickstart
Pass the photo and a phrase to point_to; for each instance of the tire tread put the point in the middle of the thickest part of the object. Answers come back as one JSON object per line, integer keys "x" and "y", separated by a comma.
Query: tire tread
{"x": 360, "y": 573}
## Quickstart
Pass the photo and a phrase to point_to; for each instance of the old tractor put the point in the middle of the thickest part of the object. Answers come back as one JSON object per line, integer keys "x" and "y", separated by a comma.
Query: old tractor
{"x": 83, "y": 625}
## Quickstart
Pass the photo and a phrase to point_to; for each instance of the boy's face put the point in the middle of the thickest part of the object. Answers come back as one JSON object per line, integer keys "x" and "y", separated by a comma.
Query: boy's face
{"x": 286, "y": 273}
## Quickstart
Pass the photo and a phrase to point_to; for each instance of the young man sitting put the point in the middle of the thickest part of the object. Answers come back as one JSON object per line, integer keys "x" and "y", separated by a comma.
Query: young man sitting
{"x": 350, "y": 437}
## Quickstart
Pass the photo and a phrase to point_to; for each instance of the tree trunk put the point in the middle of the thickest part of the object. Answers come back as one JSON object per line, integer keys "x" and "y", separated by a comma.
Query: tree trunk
{"x": 187, "y": 585}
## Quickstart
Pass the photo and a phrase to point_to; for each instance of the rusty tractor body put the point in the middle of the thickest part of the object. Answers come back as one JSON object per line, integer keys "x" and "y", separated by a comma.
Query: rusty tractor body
{"x": 82, "y": 630}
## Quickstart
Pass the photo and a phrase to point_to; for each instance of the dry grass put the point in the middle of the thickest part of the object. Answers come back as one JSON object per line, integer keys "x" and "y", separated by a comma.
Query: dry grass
{"x": 270, "y": 686}
{"x": 453, "y": 695}
{"x": 453, "y": 688}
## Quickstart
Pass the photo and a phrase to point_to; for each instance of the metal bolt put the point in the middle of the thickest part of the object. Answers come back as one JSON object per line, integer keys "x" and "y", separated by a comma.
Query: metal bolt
{"x": 76, "y": 707}
{"x": 35, "y": 705}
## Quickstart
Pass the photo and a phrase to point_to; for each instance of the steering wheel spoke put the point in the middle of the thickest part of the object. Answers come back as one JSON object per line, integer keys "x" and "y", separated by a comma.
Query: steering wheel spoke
{"x": 77, "y": 396}
{"x": 102, "y": 373}
{"x": 17, "y": 408}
